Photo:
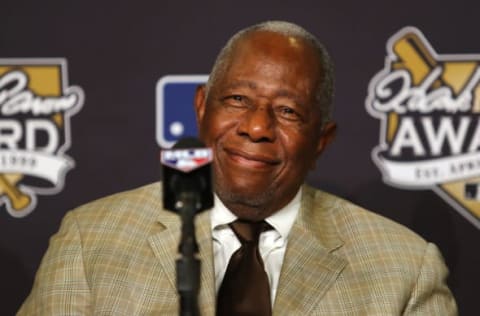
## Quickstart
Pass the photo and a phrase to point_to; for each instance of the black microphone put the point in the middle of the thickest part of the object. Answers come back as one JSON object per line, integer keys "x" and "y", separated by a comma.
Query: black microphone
{"x": 187, "y": 172}
{"x": 187, "y": 190}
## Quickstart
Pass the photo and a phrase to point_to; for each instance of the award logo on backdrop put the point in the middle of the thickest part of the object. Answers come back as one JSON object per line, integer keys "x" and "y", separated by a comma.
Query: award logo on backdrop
{"x": 429, "y": 108}
{"x": 36, "y": 104}
{"x": 175, "y": 115}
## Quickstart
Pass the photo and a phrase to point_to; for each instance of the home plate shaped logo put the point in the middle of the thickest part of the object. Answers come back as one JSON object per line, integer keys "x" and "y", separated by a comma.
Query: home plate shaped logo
{"x": 429, "y": 108}
{"x": 36, "y": 104}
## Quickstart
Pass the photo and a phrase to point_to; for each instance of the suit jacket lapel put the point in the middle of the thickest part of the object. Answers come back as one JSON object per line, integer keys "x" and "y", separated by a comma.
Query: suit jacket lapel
{"x": 165, "y": 248}
{"x": 309, "y": 267}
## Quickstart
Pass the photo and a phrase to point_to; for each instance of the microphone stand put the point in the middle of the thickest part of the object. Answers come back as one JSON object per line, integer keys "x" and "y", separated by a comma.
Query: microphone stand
{"x": 188, "y": 265}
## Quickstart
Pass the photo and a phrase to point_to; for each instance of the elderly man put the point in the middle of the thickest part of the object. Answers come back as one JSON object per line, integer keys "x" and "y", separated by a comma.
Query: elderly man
{"x": 270, "y": 245}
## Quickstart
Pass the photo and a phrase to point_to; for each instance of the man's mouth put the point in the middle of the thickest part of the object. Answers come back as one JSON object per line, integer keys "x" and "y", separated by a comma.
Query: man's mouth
{"x": 252, "y": 160}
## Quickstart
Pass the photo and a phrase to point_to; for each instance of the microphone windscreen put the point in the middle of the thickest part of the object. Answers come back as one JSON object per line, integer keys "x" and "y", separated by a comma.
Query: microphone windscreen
{"x": 186, "y": 170}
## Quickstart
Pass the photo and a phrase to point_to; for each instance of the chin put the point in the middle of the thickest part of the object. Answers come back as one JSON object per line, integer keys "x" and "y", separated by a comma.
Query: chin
{"x": 248, "y": 204}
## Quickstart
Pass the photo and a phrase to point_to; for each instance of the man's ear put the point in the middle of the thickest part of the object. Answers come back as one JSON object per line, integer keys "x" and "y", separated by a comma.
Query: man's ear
{"x": 327, "y": 135}
{"x": 200, "y": 104}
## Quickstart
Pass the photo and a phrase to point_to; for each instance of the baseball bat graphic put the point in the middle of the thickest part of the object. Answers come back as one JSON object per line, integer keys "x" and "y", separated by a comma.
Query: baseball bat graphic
{"x": 418, "y": 59}
{"x": 415, "y": 57}
{"x": 18, "y": 199}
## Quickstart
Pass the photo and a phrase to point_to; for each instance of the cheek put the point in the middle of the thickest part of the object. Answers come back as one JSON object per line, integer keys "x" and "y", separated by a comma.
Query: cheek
{"x": 215, "y": 125}
{"x": 301, "y": 151}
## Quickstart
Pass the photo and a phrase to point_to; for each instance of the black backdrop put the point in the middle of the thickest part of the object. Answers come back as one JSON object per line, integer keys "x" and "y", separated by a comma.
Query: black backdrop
{"x": 116, "y": 52}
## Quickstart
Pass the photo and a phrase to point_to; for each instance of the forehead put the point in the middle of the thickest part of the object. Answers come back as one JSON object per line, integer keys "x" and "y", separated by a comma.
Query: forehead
{"x": 273, "y": 56}
{"x": 282, "y": 48}
{"x": 268, "y": 39}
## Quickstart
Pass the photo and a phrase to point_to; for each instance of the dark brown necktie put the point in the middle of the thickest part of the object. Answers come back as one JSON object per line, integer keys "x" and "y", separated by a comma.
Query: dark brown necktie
{"x": 245, "y": 289}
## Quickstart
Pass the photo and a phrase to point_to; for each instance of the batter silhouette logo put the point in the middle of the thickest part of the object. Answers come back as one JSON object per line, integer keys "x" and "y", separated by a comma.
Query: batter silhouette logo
{"x": 36, "y": 104}
{"x": 429, "y": 108}
{"x": 175, "y": 115}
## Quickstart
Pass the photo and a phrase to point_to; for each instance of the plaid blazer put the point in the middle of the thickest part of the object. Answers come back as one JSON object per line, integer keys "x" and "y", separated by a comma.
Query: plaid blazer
{"x": 116, "y": 256}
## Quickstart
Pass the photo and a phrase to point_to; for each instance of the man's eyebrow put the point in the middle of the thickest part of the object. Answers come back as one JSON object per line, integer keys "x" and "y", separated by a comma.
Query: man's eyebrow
{"x": 252, "y": 85}
{"x": 286, "y": 93}
{"x": 242, "y": 83}
{"x": 283, "y": 93}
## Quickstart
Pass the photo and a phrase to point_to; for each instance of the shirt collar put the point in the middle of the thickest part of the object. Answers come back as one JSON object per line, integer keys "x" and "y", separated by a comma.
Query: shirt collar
{"x": 282, "y": 220}
{"x": 220, "y": 215}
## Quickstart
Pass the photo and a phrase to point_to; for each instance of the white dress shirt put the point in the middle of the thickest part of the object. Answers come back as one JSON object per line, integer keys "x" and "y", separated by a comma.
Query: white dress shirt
{"x": 272, "y": 243}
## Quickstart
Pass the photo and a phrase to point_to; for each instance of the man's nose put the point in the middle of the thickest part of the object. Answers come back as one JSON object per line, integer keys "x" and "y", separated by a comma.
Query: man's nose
{"x": 258, "y": 124}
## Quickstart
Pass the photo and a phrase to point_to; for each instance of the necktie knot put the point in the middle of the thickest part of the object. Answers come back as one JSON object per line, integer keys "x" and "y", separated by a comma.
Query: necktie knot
{"x": 247, "y": 231}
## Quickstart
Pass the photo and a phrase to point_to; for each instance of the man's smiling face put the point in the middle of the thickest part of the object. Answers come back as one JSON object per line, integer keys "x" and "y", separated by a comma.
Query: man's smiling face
{"x": 262, "y": 120}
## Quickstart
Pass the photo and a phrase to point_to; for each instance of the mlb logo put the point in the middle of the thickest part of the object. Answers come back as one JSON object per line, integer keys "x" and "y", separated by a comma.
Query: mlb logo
{"x": 174, "y": 101}
{"x": 472, "y": 191}
{"x": 186, "y": 160}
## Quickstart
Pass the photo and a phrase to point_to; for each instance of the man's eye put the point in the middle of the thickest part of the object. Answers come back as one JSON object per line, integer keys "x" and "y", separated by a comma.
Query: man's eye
{"x": 236, "y": 100}
{"x": 288, "y": 113}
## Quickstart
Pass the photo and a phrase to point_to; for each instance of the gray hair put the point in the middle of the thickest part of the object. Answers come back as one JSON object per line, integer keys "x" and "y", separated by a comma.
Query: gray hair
{"x": 325, "y": 89}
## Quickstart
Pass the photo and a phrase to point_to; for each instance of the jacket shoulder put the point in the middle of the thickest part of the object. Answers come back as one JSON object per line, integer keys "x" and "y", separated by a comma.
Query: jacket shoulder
{"x": 121, "y": 212}
{"x": 353, "y": 221}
